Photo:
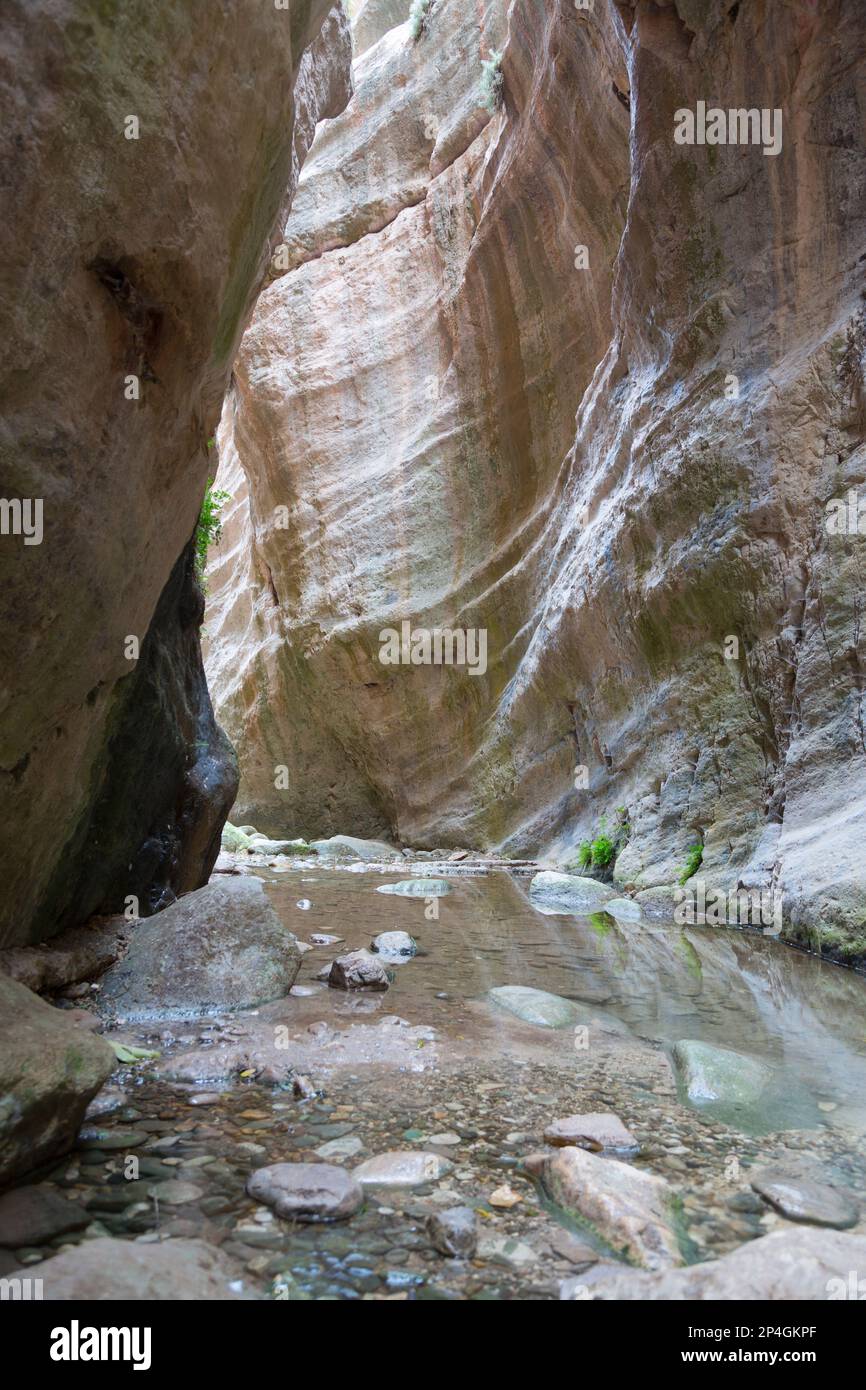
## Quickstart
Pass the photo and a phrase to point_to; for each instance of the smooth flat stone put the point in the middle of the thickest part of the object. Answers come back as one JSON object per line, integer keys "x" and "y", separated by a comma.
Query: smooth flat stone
{"x": 402, "y": 1168}
{"x": 417, "y": 887}
{"x": 598, "y": 1132}
{"x": 800, "y": 1199}
{"x": 307, "y": 1191}
{"x": 708, "y": 1073}
{"x": 535, "y": 1005}
{"x": 347, "y": 1147}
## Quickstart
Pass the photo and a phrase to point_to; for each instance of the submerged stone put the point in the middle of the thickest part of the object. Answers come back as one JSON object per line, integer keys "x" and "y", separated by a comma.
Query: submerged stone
{"x": 33, "y": 1215}
{"x": 708, "y": 1074}
{"x": 535, "y": 1005}
{"x": 402, "y": 1168}
{"x": 417, "y": 887}
{"x": 454, "y": 1232}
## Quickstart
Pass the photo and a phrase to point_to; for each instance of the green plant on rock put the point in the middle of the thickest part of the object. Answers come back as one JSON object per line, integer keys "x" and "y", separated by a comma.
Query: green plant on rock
{"x": 419, "y": 16}
{"x": 694, "y": 859}
{"x": 603, "y": 850}
{"x": 492, "y": 82}
{"x": 209, "y": 528}
{"x": 584, "y": 854}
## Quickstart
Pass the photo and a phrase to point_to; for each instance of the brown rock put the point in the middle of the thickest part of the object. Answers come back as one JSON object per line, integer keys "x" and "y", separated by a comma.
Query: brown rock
{"x": 629, "y": 1208}
{"x": 596, "y": 1132}
{"x": 358, "y": 970}
{"x": 481, "y": 445}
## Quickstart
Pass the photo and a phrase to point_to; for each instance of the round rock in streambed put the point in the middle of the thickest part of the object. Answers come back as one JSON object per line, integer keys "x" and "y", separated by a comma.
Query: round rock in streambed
{"x": 454, "y": 1232}
{"x": 570, "y": 891}
{"x": 535, "y": 1005}
{"x": 417, "y": 887}
{"x": 394, "y": 945}
{"x": 358, "y": 970}
{"x": 709, "y": 1074}
{"x": 624, "y": 909}
{"x": 402, "y": 1168}
{"x": 307, "y": 1191}
{"x": 799, "y": 1199}
{"x": 601, "y": 1133}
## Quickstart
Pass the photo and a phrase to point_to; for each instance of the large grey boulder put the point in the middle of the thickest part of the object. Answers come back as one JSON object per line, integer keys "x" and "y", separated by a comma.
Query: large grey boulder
{"x": 50, "y": 1070}
{"x": 350, "y": 847}
{"x": 223, "y": 947}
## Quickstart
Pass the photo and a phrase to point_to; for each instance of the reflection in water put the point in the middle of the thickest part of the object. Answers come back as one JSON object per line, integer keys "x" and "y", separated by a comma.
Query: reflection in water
{"x": 736, "y": 989}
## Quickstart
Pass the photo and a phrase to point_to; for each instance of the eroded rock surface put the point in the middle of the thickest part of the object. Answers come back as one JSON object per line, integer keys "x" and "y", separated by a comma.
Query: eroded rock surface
{"x": 611, "y": 470}
{"x": 150, "y": 155}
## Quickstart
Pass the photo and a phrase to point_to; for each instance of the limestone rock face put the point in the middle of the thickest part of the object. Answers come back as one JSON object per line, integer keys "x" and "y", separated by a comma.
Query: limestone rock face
{"x": 149, "y": 154}
{"x": 615, "y": 462}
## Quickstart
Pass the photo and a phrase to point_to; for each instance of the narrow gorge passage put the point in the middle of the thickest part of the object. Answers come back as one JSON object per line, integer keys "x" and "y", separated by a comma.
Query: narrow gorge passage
{"x": 433, "y": 466}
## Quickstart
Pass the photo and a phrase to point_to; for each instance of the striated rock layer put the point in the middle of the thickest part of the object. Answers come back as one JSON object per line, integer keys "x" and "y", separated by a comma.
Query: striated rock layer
{"x": 148, "y": 155}
{"x": 620, "y": 473}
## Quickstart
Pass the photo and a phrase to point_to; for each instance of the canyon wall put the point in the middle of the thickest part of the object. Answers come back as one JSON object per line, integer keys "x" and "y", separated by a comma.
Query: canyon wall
{"x": 544, "y": 372}
{"x": 148, "y": 155}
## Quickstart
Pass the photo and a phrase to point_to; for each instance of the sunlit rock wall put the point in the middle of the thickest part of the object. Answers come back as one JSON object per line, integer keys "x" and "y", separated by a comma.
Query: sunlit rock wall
{"x": 616, "y": 463}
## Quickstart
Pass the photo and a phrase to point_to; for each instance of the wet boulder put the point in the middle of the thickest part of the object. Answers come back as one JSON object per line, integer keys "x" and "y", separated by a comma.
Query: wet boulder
{"x": 222, "y": 947}
{"x": 358, "y": 970}
{"x": 394, "y": 945}
{"x": 570, "y": 892}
